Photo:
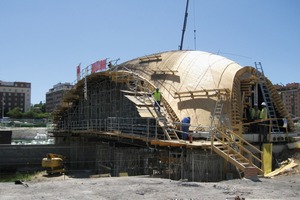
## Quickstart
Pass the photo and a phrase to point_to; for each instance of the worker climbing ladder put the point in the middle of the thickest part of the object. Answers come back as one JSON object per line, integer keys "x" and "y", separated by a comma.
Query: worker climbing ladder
{"x": 267, "y": 98}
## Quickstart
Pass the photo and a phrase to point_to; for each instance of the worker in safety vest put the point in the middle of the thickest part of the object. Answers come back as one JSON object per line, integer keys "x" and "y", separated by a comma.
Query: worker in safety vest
{"x": 254, "y": 115}
{"x": 264, "y": 112}
{"x": 157, "y": 98}
{"x": 264, "y": 125}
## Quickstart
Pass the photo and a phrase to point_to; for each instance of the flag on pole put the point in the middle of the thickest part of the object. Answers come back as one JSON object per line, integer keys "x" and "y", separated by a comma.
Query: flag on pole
{"x": 99, "y": 65}
{"x": 78, "y": 72}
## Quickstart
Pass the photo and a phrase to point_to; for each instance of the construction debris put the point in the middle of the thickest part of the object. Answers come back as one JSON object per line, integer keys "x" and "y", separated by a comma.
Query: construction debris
{"x": 20, "y": 182}
{"x": 286, "y": 166}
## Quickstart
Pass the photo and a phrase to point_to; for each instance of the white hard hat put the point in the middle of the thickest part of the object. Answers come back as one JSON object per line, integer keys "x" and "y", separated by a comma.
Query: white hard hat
{"x": 263, "y": 104}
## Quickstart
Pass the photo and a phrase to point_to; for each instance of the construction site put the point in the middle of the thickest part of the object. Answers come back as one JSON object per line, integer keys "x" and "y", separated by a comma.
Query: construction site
{"x": 112, "y": 126}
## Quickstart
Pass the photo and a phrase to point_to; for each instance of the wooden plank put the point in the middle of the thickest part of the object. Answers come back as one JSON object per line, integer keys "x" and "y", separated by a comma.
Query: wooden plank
{"x": 204, "y": 92}
{"x": 164, "y": 71}
{"x": 138, "y": 101}
{"x": 282, "y": 169}
{"x": 144, "y": 112}
{"x": 151, "y": 58}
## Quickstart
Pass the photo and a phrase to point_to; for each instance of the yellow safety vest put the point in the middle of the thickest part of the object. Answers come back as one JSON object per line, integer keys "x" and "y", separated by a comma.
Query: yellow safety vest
{"x": 264, "y": 113}
{"x": 255, "y": 113}
{"x": 157, "y": 96}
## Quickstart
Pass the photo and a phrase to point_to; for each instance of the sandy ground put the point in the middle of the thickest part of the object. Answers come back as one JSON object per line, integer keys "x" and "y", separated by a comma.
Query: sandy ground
{"x": 144, "y": 187}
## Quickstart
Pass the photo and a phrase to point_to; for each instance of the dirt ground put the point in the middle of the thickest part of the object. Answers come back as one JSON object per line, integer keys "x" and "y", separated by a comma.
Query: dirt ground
{"x": 81, "y": 186}
{"x": 144, "y": 187}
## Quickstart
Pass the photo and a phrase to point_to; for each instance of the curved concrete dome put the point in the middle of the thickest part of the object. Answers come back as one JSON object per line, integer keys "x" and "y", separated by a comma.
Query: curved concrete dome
{"x": 187, "y": 78}
{"x": 193, "y": 83}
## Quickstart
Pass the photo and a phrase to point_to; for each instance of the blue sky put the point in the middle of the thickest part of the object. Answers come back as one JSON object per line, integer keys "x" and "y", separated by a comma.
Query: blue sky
{"x": 43, "y": 41}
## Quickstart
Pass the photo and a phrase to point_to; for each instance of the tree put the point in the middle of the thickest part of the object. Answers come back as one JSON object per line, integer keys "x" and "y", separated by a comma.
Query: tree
{"x": 15, "y": 113}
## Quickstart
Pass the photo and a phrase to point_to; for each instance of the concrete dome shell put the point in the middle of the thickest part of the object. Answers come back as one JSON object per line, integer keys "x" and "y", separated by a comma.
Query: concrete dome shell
{"x": 188, "y": 71}
{"x": 191, "y": 83}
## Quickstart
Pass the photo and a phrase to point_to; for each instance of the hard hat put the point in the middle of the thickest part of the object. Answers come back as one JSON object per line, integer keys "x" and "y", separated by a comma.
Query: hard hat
{"x": 255, "y": 104}
{"x": 263, "y": 104}
{"x": 157, "y": 88}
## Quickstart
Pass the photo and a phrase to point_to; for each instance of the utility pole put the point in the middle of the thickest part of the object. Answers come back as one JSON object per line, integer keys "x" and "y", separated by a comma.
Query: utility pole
{"x": 184, "y": 24}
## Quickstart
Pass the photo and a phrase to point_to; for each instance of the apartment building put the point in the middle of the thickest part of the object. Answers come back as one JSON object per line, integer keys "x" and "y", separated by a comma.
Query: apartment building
{"x": 290, "y": 95}
{"x": 15, "y": 94}
{"x": 55, "y": 95}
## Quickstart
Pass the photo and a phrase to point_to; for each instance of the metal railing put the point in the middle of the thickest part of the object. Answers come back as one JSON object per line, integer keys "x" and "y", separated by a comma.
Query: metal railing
{"x": 141, "y": 127}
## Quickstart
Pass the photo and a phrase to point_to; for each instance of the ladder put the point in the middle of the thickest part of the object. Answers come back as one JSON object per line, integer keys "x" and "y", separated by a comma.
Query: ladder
{"x": 223, "y": 119}
{"x": 267, "y": 98}
{"x": 217, "y": 113}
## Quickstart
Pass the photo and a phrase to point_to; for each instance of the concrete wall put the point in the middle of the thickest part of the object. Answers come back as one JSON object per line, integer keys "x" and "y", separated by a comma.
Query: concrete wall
{"x": 104, "y": 158}
{"x": 5, "y": 137}
{"x": 27, "y": 157}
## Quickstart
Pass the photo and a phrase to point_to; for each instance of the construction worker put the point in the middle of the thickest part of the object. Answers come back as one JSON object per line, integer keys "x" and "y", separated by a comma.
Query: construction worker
{"x": 264, "y": 112}
{"x": 157, "y": 98}
{"x": 264, "y": 123}
{"x": 254, "y": 115}
{"x": 185, "y": 127}
{"x": 110, "y": 64}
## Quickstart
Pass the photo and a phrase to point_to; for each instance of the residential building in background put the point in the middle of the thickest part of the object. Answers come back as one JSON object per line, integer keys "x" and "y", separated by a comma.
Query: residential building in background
{"x": 14, "y": 94}
{"x": 55, "y": 95}
{"x": 290, "y": 95}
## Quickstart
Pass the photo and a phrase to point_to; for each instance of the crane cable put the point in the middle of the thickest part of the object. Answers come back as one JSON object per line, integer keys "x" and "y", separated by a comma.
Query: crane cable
{"x": 195, "y": 40}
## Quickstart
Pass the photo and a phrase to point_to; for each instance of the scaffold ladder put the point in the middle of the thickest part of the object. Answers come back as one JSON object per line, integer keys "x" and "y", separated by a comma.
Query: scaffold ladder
{"x": 267, "y": 98}
{"x": 162, "y": 120}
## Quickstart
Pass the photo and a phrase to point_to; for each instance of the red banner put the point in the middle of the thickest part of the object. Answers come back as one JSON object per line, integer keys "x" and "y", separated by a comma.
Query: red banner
{"x": 78, "y": 72}
{"x": 99, "y": 65}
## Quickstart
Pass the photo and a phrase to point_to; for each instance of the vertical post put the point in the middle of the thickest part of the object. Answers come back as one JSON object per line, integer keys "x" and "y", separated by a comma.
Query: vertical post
{"x": 131, "y": 125}
{"x": 3, "y": 106}
{"x": 182, "y": 163}
{"x": 212, "y": 140}
{"x": 169, "y": 164}
{"x": 148, "y": 124}
{"x": 193, "y": 167}
{"x": 156, "y": 129}
{"x": 256, "y": 94}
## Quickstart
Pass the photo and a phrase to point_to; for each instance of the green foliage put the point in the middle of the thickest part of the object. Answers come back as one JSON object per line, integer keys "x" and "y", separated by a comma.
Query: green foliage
{"x": 38, "y": 111}
{"x": 17, "y": 176}
{"x": 15, "y": 113}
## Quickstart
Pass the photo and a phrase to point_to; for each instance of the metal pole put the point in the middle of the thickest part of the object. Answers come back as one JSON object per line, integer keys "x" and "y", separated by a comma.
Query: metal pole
{"x": 3, "y": 106}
